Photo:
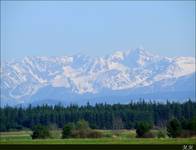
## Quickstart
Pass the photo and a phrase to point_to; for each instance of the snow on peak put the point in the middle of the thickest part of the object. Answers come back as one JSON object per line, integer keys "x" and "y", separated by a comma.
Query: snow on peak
{"x": 117, "y": 56}
{"x": 185, "y": 65}
{"x": 83, "y": 74}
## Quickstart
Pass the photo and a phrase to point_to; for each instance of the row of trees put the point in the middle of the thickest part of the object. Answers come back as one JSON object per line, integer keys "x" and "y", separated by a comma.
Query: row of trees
{"x": 100, "y": 116}
{"x": 81, "y": 129}
{"x": 174, "y": 127}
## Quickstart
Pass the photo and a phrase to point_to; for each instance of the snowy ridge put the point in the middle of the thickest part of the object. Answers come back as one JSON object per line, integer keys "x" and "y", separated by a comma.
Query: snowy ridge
{"x": 79, "y": 74}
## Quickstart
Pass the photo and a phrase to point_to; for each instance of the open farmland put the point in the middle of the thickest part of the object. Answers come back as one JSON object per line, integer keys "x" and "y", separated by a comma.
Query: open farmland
{"x": 110, "y": 137}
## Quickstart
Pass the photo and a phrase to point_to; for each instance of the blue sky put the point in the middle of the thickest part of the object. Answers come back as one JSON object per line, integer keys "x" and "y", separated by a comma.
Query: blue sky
{"x": 96, "y": 28}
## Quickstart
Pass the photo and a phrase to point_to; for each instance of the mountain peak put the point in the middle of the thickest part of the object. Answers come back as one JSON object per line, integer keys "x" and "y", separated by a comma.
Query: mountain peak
{"x": 117, "y": 56}
{"x": 122, "y": 71}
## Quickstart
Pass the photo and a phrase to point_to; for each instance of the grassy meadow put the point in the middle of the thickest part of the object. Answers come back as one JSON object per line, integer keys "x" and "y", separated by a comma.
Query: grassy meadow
{"x": 109, "y": 137}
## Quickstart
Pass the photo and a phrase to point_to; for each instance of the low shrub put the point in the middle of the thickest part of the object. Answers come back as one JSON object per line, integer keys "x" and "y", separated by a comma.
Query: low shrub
{"x": 116, "y": 132}
{"x": 53, "y": 126}
{"x": 86, "y": 134}
{"x": 80, "y": 130}
{"x": 94, "y": 134}
{"x": 142, "y": 128}
{"x": 75, "y": 134}
{"x": 67, "y": 130}
{"x": 148, "y": 135}
{"x": 108, "y": 135}
{"x": 161, "y": 134}
{"x": 187, "y": 133}
{"x": 82, "y": 125}
{"x": 40, "y": 132}
{"x": 174, "y": 128}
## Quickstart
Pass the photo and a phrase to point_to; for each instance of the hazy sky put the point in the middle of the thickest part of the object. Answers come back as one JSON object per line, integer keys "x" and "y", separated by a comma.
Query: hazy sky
{"x": 96, "y": 28}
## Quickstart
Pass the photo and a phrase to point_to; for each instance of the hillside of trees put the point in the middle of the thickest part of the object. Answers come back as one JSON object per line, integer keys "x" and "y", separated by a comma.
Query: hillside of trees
{"x": 99, "y": 116}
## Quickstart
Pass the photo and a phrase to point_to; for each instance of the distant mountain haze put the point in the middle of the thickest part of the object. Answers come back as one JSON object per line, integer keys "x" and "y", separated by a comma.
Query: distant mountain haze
{"x": 119, "y": 77}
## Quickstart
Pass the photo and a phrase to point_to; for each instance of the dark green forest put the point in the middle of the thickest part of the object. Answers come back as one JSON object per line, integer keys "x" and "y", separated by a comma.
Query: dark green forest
{"x": 99, "y": 116}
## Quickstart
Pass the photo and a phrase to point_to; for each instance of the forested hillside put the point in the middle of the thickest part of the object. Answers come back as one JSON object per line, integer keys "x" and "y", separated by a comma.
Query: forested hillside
{"x": 100, "y": 116}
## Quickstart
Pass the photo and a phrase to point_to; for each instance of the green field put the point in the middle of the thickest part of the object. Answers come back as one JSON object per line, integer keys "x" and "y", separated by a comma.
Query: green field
{"x": 110, "y": 137}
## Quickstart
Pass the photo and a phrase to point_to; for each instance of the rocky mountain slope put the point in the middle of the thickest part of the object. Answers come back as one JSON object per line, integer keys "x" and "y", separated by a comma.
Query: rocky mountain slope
{"x": 115, "y": 78}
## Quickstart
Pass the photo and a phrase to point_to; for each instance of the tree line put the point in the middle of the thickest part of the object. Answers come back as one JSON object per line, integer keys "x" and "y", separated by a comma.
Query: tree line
{"x": 81, "y": 129}
{"x": 99, "y": 116}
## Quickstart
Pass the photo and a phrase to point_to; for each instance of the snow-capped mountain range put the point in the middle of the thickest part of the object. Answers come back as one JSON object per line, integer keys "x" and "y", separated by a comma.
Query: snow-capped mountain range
{"x": 119, "y": 77}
